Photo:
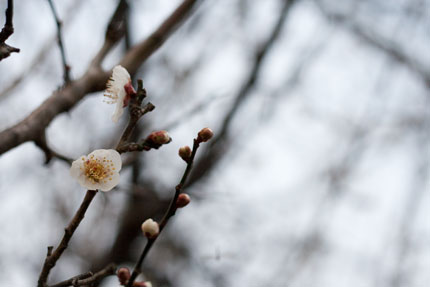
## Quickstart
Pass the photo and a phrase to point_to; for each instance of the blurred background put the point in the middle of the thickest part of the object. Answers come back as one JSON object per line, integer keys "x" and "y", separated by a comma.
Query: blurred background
{"x": 318, "y": 174}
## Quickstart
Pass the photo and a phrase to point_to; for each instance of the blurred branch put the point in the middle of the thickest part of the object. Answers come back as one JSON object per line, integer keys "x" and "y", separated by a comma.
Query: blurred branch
{"x": 52, "y": 257}
{"x": 5, "y": 33}
{"x": 378, "y": 42}
{"x": 411, "y": 208}
{"x": 92, "y": 81}
{"x": 49, "y": 153}
{"x": 146, "y": 199}
{"x": 219, "y": 143}
{"x": 59, "y": 24}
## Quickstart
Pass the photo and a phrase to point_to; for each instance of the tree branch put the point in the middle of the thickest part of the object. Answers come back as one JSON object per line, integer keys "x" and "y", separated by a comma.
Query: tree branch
{"x": 88, "y": 278}
{"x": 52, "y": 257}
{"x": 93, "y": 80}
{"x": 147, "y": 200}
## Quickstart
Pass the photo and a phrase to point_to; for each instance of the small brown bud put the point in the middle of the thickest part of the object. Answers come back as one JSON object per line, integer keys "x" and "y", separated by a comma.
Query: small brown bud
{"x": 183, "y": 200}
{"x": 142, "y": 284}
{"x": 150, "y": 228}
{"x": 159, "y": 137}
{"x": 205, "y": 134}
{"x": 123, "y": 275}
{"x": 185, "y": 153}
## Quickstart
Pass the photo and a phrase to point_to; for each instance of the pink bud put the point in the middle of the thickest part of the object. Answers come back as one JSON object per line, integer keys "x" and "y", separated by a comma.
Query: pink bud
{"x": 123, "y": 275}
{"x": 183, "y": 200}
{"x": 159, "y": 137}
{"x": 129, "y": 89}
{"x": 185, "y": 152}
{"x": 205, "y": 134}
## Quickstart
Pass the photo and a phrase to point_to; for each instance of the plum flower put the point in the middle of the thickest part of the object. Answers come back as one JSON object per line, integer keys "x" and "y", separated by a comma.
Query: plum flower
{"x": 99, "y": 170}
{"x": 116, "y": 92}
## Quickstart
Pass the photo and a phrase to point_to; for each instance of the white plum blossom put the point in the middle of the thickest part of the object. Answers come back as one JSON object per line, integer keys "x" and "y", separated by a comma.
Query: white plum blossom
{"x": 99, "y": 170}
{"x": 150, "y": 228}
{"x": 116, "y": 92}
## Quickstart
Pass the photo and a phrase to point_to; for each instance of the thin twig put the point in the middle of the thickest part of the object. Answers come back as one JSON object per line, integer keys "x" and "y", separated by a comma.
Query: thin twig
{"x": 52, "y": 259}
{"x": 136, "y": 112}
{"x": 66, "y": 67}
{"x": 169, "y": 213}
{"x": 69, "y": 282}
{"x": 88, "y": 278}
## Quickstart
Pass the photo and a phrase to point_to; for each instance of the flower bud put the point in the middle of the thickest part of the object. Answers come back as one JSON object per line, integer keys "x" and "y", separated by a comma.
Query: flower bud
{"x": 205, "y": 134}
{"x": 123, "y": 275}
{"x": 185, "y": 153}
{"x": 183, "y": 200}
{"x": 142, "y": 284}
{"x": 159, "y": 137}
{"x": 150, "y": 228}
{"x": 130, "y": 91}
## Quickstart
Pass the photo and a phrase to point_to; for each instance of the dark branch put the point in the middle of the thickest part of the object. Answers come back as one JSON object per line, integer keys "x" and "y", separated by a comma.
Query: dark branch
{"x": 5, "y": 33}
{"x": 8, "y": 26}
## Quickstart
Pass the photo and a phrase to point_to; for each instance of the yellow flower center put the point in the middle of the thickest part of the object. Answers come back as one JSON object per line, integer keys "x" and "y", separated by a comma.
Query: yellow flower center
{"x": 96, "y": 169}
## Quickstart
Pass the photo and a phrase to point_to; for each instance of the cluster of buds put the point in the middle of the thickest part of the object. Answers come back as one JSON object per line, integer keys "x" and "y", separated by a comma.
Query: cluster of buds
{"x": 150, "y": 228}
{"x": 124, "y": 275}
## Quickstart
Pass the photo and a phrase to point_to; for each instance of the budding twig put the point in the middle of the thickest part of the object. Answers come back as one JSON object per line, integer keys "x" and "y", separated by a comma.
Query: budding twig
{"x": 170, "y": 211}
{"x": 136, "y": 112}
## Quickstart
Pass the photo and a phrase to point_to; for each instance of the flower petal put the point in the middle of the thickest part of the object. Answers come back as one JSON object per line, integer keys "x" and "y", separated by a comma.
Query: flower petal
{"x": 120, "y": 74}
{"x": 109, "y": 183}
{"x": 77, "y": 168}
{"x": 119, "y": 109}
{"x": 89, "y": 184}
{"x": 115, "y": 157}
